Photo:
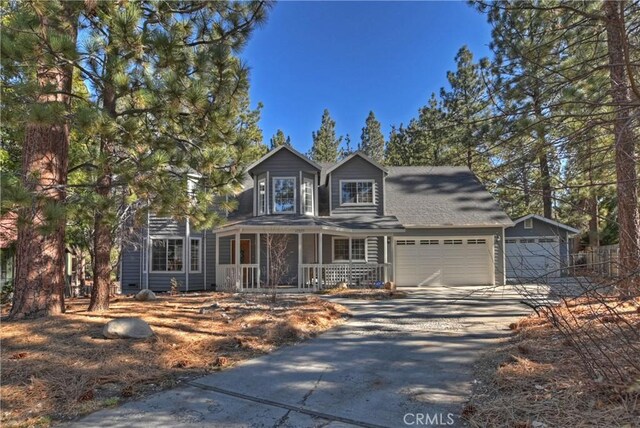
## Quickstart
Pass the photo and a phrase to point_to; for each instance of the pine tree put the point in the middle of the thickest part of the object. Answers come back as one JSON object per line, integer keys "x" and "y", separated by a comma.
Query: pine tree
{"x": 326, "y": 146}
{"x": 372, "y": 140}
{"x": 37, "y": 76}
{"x": 465, "y": 104}
{"x": 346, "y": 148}
{"x": 279, "y": 139}
{"x": 167, "y": 98}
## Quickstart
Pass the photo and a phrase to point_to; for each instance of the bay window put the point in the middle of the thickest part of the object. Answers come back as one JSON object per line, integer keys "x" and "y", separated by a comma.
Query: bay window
{"x": 307, "y": 196}
{"x": 284, "y": 195}
{"x": 262, "y": 196}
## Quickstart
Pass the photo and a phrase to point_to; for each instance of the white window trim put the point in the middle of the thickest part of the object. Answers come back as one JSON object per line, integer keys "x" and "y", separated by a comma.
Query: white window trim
{"x": 262, "y": 208}
{"x": 295, "y": 195}
{"x": 333, "y": 250}
{"x": 311, "y": 182}
{"x": 373, "y": 193}
{"x": 528, "y": 223}
{"x": 164, "y": 238}
{"x": 199, "y": 239}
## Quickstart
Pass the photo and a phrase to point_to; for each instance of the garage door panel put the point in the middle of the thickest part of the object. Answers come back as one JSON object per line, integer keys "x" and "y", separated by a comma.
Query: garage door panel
{"x": 446, "y": 260}
{"x": 530, "y": 258}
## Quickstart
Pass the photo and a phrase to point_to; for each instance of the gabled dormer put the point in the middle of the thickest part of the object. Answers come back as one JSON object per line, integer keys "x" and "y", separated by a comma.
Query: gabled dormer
{"x": 356, "y": 186}
{"x": 285, "y": 182}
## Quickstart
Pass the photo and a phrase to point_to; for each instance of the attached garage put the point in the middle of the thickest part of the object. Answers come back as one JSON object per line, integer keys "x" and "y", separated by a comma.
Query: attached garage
{"x": 537, "y": 247}
{"x": 447, "y": 260}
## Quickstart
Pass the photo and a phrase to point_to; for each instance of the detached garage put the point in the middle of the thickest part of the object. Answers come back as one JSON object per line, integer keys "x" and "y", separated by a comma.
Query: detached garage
{"x": 537, "y": 247}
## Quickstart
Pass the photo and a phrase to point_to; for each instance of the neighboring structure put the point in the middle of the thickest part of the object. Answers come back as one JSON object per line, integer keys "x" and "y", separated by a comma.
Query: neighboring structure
{"x": 8, "y": 236}
{"x": 538, "y": 247}
{"x": 354, "y": 221}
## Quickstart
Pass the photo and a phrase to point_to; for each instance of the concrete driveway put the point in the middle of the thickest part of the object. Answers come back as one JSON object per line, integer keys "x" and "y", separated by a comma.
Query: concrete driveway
{"x": 402, "y": 362}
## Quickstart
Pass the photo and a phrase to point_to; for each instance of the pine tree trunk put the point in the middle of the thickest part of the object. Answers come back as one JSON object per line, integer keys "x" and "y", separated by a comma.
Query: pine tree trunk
{"x": 592, "y": 203}
{"x": 545, "y": 176}
{"x": 102, "y": 257}
{"x": 626, "y": 174}
{"x": 40, "y": 257}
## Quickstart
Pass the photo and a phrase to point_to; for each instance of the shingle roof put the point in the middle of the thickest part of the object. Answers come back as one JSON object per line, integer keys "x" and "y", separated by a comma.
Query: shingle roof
{"x": 370, "y": 223}
{"x": 440, "y": 196}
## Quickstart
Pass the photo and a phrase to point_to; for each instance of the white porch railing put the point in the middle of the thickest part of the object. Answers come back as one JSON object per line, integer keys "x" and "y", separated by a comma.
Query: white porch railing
{"x": 363, "y": 275}
{"x": 227, "y": 277}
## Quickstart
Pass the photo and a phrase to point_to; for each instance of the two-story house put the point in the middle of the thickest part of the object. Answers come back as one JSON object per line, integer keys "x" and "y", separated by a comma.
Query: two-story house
{"x": 354, "y": 221}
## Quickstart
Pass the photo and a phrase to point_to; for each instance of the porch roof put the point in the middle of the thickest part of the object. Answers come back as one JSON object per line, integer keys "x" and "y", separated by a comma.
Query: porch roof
{"x": 343, "y": 223}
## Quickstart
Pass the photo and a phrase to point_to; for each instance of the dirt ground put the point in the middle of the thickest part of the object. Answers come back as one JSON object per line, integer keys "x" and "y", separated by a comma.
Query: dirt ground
{"x": 62, "y": 367}
{"x": 545, "y": 377}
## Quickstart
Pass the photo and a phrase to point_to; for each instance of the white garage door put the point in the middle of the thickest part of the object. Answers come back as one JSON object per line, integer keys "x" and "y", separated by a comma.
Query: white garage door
{"x": 450, "y": 261}
{"x": 532, "y": 257}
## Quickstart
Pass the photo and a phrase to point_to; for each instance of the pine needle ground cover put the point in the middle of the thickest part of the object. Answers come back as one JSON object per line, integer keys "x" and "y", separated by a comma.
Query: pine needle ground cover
{"x": 62, "y": 367}
{"x": 543, "y": 377}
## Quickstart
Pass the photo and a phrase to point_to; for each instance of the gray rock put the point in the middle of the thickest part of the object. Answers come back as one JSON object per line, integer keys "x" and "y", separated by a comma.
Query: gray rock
{"x": 127, "y": 328}
{"x": 145, "y": 295}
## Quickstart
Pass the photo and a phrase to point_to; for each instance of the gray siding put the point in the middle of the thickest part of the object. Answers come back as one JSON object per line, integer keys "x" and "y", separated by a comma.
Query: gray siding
{"x": 357, "y": 169}
{"x": 131, "y": 279}
{"x": 469, "y": 231}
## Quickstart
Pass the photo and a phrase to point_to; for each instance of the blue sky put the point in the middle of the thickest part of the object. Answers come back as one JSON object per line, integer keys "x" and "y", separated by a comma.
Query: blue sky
{"x": 352, "y": 57}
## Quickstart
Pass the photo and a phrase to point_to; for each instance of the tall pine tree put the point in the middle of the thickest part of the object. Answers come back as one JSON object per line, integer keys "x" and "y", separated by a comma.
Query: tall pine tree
{"x": 326, "y": 146}
{"x": 279, "y": 139}
{"x": 371, "y": 139}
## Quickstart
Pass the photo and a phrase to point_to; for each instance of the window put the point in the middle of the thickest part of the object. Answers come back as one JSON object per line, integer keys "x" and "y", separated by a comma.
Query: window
{"x": 547, "y": 240}
{"x": 527, "y": 241}
{"x": 453, "y": 241}
{"x": 405, "y": 242}
{"x": 510, "y": 241}
{"x": 166, "y": 255}
{"x": 262, "y": 196}
{"x": 194, "y": 255}
{"x": 528, "y": 223}
{"x": 429, "y": 242}
{"x": 476, "y": 241}
{"x": 356, "y": 192}
{"x": 307, "y": 196}
{"x": 284, "y": 195}
{"x": 341, "y": 249}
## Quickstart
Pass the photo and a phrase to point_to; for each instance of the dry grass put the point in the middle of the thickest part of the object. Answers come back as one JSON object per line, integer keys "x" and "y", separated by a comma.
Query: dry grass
{"x": 538, "y": 379}
{"x": 59, "y": 368}
{"x": 364, "y": 293}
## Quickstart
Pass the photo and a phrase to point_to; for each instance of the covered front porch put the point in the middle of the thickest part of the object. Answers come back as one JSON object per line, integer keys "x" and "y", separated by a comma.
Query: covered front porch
{"x": 312, "y": 260}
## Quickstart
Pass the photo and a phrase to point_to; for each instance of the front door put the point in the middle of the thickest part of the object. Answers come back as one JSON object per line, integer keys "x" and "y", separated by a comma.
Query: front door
{"x": 245, "y": 251}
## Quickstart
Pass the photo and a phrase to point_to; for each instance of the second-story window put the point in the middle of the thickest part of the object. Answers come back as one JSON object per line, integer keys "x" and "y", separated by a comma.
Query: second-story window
{"x": 307, "y": 196}
{"x": 356, "y": 192}
{"x": 284, "y": 195}
{"x": 262, "y": 196}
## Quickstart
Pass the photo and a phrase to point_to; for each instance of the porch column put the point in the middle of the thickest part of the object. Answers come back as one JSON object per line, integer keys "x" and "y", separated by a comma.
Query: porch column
{"x": 299, "y": 260}
{"x": 217, "y": 261}
{"x": 319, "y": 260}
{"x": 238, "y": 273}
{"x": 385, "y": 258}
{"x": 258, "y": 258}
{"x": 350, "y": 261}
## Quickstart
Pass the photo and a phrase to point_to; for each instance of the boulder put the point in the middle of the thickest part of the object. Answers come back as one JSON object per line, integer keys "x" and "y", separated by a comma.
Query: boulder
{"x": 145, "y": 295}
{"x": 390, "y": 285}
{"x": 127, "y": 328}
